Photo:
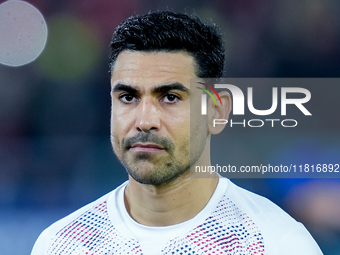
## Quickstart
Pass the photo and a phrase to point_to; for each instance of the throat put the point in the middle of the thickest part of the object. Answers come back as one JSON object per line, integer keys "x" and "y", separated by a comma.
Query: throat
{"x": 165, "y": 206}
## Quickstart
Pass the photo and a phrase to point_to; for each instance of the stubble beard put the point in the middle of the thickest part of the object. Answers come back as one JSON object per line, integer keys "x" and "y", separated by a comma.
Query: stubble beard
{"x": 155, "y": 174}
{"x": 145, "y": 168}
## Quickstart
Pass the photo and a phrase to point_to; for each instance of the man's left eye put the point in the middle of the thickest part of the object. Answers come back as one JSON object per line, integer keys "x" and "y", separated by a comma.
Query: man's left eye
{"x": 171, "y": 98}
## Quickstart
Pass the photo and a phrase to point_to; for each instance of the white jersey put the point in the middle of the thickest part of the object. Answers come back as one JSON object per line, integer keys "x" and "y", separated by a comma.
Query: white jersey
{"x": 235, "y": 221}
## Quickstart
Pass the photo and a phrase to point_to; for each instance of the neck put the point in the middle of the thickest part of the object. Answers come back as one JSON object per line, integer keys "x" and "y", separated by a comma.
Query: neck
{"x": 168, "y": 204}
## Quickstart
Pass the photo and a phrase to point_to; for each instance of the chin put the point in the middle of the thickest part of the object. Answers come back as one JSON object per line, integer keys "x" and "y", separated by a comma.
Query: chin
{"x": 154, "y": 177}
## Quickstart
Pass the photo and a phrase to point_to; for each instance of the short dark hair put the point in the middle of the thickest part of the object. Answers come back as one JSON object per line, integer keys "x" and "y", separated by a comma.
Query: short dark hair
{"x": 168, "y": 31}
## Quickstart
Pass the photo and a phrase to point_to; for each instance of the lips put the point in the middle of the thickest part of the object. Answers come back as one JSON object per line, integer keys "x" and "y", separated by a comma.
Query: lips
{"x": 146, "y": 147}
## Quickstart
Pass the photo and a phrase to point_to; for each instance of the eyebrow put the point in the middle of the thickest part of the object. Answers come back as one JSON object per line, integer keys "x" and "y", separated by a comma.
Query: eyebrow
{"x": 172, "y": 86}
{"x": 122, "y": 87}
{"x": 158, "y": 89}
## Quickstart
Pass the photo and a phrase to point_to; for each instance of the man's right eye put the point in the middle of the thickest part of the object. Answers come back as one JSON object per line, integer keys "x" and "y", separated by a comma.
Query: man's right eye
{"x": 128, "y": 98}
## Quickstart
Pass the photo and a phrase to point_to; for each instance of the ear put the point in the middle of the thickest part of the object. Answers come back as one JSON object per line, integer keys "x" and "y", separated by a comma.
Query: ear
{"x": 218, "y": 111}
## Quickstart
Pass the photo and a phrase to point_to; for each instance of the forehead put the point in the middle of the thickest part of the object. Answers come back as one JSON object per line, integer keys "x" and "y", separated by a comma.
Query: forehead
{"x": 147, "y": 69}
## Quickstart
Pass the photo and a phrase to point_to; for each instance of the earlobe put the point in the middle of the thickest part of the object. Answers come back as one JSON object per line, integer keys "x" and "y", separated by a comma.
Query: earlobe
{"x": 218, "y": 111}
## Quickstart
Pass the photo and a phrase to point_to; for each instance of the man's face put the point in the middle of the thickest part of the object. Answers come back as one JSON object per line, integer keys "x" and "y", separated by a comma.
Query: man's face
{"x": 150, "y": 121}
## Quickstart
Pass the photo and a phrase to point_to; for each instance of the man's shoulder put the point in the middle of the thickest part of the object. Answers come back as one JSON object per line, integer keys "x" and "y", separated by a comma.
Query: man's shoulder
{"x": 98, "y": 203}
{"x": 70, "y": 222}
{"x": 281, "y": 232}
{"x": 258, "y": 206}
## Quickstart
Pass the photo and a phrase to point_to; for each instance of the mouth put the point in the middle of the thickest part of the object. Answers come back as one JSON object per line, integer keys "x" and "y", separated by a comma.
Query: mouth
{"x": 146, "y": 148}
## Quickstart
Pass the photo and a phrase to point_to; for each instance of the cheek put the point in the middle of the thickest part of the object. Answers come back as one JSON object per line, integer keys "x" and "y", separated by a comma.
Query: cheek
{"x": 180, "y": 131}
{"x": 120, "y": 120}
{"x": 177, "y": 120}
{"x": 184, "y": 147}
{"x": 116, "y": 146}
{"x": 178, "y": 127}
{"x": 117, "y": 131}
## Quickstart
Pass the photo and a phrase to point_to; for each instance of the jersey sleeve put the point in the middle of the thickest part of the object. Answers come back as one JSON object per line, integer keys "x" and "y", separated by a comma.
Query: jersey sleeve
{"x": 282, "y": 234}
{"x": 45, "y": 239}
{"x": 298, "y": 242}
{"x": 41, "y": 244}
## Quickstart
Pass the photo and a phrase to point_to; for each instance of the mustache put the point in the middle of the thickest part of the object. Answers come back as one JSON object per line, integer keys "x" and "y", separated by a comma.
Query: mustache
{"x": 143, "y": 137}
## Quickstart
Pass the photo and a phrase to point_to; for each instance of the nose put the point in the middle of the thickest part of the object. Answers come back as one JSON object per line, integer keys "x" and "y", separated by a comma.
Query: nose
{"x": 147, "y": 116}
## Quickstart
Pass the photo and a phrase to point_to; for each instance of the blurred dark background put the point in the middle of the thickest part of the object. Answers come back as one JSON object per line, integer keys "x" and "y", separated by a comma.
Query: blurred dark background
{"x": 55, "y": 153}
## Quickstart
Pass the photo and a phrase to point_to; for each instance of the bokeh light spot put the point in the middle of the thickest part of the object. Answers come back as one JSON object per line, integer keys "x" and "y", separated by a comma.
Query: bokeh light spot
{"x": 23, "y": 33}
